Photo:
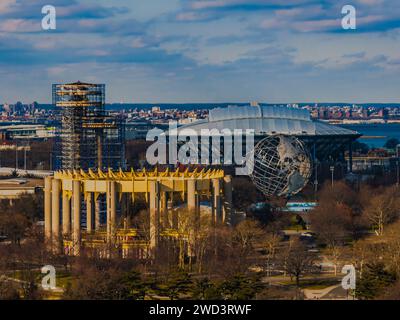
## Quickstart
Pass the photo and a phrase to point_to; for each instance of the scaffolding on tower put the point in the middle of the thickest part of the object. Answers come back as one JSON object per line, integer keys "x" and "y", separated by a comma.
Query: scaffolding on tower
{"x": 87, "y": 136}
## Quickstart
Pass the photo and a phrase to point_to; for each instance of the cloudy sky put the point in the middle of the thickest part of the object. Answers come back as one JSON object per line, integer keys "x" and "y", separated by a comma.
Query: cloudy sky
{"x": 203, "y": 50}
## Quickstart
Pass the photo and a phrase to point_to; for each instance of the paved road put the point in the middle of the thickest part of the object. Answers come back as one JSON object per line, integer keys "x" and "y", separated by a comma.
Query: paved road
{"x": 24, "y": 173}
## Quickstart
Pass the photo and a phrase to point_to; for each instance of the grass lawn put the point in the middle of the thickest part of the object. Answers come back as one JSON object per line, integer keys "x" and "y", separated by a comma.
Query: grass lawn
{"x": 314, "y": 283}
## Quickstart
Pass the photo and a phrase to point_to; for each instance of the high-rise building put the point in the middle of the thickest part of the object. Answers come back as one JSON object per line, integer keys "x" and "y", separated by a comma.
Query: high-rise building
{"x": 88, "y": 138}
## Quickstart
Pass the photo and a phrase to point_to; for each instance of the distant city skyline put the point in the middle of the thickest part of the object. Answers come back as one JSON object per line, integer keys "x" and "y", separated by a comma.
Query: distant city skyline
{"x": 224, "y": 103}
{"x": 203, "y": 51}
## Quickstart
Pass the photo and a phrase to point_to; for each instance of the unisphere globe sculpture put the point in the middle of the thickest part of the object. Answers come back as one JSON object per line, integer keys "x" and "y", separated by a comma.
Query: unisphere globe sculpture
{"x": 282, "y": 165}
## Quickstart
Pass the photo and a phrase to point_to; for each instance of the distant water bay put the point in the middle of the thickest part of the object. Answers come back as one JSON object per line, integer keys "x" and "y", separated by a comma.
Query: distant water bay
{"x": 383, "y": 131}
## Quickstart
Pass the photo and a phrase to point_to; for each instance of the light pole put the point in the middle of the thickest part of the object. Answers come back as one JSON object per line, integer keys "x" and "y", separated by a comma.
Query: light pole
{"x": 332, "y": 168}
{"x": 316, "y": 172}
{"x": 315, "y": 178}
{"x": 25, "y": 158}
{"x": 397, "y": 162}
{"x": 16, "y": 156}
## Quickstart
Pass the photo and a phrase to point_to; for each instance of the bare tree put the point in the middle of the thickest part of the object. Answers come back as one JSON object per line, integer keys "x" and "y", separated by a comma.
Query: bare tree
{"x": 360, "y": 252}
{"x": 246, "y": 237}
{"x": 342, "y": 196}
{"x": 383, "y": 208}
{"x": 296, "y": 260}
{"x": 13, "y": 225}
{"x": 245, "y": 193}
{"x": 331, "y": 222}
{"x": 271, "y": 244}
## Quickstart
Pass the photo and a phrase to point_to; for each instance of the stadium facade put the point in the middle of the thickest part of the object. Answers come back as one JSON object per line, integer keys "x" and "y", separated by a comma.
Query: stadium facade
{"x": 325, "y": 142}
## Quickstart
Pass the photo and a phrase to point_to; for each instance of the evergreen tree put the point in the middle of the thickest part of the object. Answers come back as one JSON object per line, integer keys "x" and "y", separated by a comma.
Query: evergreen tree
{"x": 204, "y": 289}
{"x": 375, "y": 279}
{"x": 132, "y": 286}
{"x": 178, "y": 283}
{"x": 241, "y": 287}
{"x": 391, "y": 143}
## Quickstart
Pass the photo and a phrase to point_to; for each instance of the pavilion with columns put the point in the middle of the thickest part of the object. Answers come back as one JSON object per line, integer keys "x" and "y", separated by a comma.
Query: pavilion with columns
{"x": 73, "y": 217}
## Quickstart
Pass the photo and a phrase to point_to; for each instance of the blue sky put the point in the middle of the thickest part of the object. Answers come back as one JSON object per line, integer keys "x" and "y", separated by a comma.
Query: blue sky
{"x": 203, "y": 50}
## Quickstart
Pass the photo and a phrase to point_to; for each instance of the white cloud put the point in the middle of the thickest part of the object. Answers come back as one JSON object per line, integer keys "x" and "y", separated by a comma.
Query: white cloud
{"x": 20, "y": 25}
{"x": 210, "y": 4}
{"x": 317, "y": 25}
{"x": 371, "y": 2}
{"x": 56, "y": 71}
{"x": 137, "y": 43}
{"x": 6, "y": 5}
{"x": 187, "y": 16}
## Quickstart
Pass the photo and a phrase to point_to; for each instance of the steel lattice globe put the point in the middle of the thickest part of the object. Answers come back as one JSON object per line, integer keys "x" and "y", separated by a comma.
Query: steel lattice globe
{"x": 282, "y": 166}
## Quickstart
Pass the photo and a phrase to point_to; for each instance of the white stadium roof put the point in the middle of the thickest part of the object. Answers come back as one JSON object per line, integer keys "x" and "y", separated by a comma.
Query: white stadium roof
{"x": 267, "y": 120}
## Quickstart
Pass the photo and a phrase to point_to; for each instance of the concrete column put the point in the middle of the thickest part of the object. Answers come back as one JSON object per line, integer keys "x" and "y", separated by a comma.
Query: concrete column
{"x": 66, "y": 215}
{"x": 164, "y": 210}
{"x": 89, "y": 212}
{"x": 193, "y": 202}
{"x": 97, "y": 213}
{"x": 350, "y": 156}
{"x": 47, "y": 207}
{"x": 191, "y": 194}
{"x": 217, "y": 201}
{"x": 111, "y": 209}
{"x": 228, "y": 207}
{"x": 154, "y": 214}
{"x": 76, "y": 199}
{"x": 124, "y": 211}
{"x": 174, "y": 214}
{"x": 55, "y": 209}
{"x": 193, "y": 208}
